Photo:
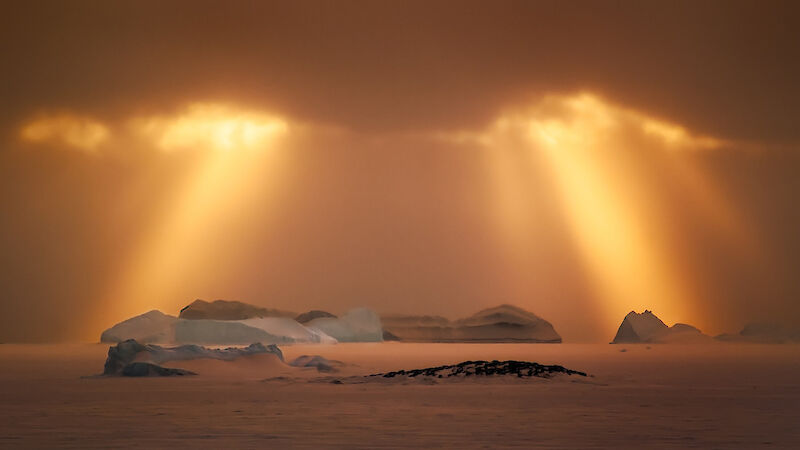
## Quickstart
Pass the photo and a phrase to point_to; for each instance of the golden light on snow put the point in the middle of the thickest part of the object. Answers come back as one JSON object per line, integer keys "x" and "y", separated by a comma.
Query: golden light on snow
{"x": 80, "y": 132}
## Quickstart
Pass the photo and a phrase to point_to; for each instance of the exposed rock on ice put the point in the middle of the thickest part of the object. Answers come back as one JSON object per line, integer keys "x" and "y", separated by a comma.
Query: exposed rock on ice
{"x": 764, "y": 333}
{"x": 311, "y": 315}
{"x": 357, "y": 325}
{"x": 144, "y": 369}
{"x": 504, "y": 323}
{"x": 320, "y": 363}
{"x": 125, "y": 353}
{"x": 647, "y": 328}
{"x": 273, "y": 330}
{"x": 228, "y": 310}
{"x": 388, "y": 336}
{"x": 484, "y": 369}
{"x": 153, "y": 326}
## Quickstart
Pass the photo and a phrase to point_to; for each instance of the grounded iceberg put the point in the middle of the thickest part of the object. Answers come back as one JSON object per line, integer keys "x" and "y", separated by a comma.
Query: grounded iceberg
{"x": 131, "y": 358}
{"x": 356, "y": 325}
{"x": 152, "y": 326}
{"x": 647, "y": 328}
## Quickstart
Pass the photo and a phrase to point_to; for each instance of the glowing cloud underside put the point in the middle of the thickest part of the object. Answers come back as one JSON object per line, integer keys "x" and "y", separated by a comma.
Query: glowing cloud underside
{"x": 79, "y": 132}
{"x": 237, "y": 149}
{"x": 585, "y": 145}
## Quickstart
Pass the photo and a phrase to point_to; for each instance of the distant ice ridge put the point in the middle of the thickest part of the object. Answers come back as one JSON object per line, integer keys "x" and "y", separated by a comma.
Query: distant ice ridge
{"x": 504, "y": 323}
{"x": 764, "y": 333}
{"x": 647, "y": 328}
{"x": 356, "y": 325}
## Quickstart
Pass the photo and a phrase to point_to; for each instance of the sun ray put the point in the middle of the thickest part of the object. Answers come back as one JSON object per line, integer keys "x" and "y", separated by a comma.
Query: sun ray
{"x": 237, "y": 151}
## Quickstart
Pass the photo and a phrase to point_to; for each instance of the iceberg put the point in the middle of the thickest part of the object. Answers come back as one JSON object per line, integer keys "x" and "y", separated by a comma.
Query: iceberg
{"x": 647, "y": 328}
{"x": 153, "y": 326}
{"x": 356, "y": 325}
{"x": 131, "y": 358}
{"x": 272, "y": 330}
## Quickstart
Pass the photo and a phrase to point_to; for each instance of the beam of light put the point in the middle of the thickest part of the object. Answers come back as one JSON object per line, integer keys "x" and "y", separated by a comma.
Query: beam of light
{"x": 237, "y": 151}
{"x": 588, "y": 148}
{"x": 622, "y": 252}
{"x": 79, "y": 132}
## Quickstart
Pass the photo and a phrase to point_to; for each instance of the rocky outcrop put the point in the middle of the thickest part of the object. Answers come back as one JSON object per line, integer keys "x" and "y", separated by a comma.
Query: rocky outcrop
{"x": 313, "y": 314}
{"x": 144, "y": 369}
{"x": 504, "y": 323}
{"x": 521, "y": 369}
{"x": 318, "y": 362}
{"x": 647, "y": 328}
{"x": 153, "y": 326}
{"x": 228, "y": 310}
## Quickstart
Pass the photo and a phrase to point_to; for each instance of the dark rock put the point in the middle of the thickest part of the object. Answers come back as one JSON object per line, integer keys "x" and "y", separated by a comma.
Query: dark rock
{"x": 313, "y": 314}
{"x": 389, "y": 336}
{"x": 228, "y": 310}
{"x": 145, "y": 369}
{"x": 316, "y": 361}
{"x": 522, "y": 369}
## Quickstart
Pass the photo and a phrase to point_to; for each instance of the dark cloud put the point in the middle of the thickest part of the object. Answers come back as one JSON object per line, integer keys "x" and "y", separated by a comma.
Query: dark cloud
{"x": 728, "y": 68}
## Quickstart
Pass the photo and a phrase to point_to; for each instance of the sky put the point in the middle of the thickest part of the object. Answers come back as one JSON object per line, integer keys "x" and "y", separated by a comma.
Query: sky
{"x": 577, "y": 159}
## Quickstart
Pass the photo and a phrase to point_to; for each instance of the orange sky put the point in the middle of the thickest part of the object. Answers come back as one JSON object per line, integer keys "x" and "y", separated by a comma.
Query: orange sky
{"x": 578, "y": 159}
